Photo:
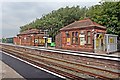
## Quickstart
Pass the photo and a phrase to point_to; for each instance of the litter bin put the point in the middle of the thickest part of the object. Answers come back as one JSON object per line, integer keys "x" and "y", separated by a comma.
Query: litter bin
{"x": 52, "y": 44}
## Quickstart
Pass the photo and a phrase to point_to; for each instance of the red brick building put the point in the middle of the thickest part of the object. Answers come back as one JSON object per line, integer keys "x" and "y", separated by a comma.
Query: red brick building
{"x": 32, "y": 37}
{"x": 83, "y": 35}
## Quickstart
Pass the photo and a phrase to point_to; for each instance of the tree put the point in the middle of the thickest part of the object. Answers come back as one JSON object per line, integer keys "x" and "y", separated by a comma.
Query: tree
{"x": 56, "y": 20}
{"x": 106, "y": 14}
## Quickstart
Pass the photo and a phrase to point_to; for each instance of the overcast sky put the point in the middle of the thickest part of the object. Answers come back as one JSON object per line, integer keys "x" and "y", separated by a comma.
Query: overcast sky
{"x": 15, "y": 14}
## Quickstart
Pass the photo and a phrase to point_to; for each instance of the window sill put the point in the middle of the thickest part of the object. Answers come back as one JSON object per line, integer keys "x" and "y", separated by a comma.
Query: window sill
{"x": 75, "y": 44}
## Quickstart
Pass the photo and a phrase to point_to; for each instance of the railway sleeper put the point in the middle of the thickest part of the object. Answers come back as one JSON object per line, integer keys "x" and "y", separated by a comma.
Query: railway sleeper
{"x": 59, "y": 65}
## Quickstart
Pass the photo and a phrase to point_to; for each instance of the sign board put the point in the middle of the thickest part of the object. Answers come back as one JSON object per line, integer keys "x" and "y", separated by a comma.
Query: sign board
{"x": 97, "y": 42}
{"x": 36, "y": 40}
{"x": 68, "y": 41}
{"x": 49, "y": 40}
{"x": 44, "y": 37}
{"x": 82, "y": 41}
{"x": 41, "y": 41}
{"x": 82, "y": 35}
{"x": 111, "y": 40}
{"x": 100, "y": 36}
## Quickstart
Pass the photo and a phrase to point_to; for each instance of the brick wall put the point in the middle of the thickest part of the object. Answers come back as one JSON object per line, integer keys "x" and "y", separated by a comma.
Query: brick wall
{"x": 78, "y": 47}
{"x": 58, "y": 41}
{"x": 27, "y": 39}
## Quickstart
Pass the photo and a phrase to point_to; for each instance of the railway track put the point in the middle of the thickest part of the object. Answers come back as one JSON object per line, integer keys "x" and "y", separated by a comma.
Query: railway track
{"x": 104, "y": 62}
{"x": 108, "y": 64}
{"x": 43, "y": 65}
{"x": 113, "y": 64}
{"x": 66, "y": 68}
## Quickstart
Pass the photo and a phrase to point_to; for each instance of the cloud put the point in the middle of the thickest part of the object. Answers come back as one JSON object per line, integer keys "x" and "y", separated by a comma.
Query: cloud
{"x": 16, "y": 14}
{"x": 49, "y": 0}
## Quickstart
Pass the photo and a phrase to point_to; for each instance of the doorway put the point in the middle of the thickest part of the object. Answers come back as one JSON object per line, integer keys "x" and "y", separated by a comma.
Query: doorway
{"x": 99, "y": 43}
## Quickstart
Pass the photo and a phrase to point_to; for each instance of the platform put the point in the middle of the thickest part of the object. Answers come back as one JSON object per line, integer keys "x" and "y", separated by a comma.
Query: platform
{"x": 7, "y": 72}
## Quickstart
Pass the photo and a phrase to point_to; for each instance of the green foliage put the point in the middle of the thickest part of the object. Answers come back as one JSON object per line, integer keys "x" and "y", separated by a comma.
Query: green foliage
{"x": 56, "y": 20}
{"x": 3, "y": 40}
{"x": 106, "y": 14}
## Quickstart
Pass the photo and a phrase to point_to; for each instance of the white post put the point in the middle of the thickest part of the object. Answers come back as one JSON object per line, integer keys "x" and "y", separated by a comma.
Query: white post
{"x": 94, "y": 42}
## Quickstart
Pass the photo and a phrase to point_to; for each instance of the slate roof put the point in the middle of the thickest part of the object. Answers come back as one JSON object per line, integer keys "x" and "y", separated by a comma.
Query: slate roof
{"x": 31, "y": 31}
{"x": 82, "y": 24}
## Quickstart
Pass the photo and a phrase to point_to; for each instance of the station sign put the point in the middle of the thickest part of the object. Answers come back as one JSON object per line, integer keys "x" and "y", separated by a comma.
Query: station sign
{"x": 41, "y": 41}
{"x": 44, "y": 37}
{"x": 36, "y": 40}
{"x": 68, "y": 41}
{"x": 111, "y": 40}
{"x": 81, "y": 35}
{"x": 49, "y": 40}
{"x": 100, "y": 36}
{"x": 97, "y": 42}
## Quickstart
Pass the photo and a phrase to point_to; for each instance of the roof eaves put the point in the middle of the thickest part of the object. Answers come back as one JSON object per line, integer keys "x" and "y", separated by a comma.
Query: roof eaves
{"x": 68, "y": 25}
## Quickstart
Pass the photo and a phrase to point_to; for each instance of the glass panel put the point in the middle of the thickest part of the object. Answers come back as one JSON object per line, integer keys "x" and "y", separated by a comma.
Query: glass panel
{"x": 72, "y": 34}
{"x": 76, "y": 34}
{"x": 89, "y": 40}
{"x": 88, "y": 33}
{"x": 67, "y": 35}
{"x": 73, "y": 40}
{"x": 76, "y": 40}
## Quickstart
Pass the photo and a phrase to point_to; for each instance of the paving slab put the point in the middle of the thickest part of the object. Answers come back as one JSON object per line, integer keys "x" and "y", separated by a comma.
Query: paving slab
{"x": 8, "y": 72}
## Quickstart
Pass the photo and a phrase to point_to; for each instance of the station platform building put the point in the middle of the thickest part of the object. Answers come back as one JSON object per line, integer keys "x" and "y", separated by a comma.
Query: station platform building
{"x": 31, "y": 37}
{"x": 85, "y": 35}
